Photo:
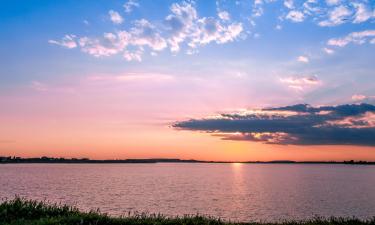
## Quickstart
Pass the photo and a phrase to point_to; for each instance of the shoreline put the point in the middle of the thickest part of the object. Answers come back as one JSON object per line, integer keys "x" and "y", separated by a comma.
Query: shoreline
{"x": 23, "y": 211}
{"x": 50, "y": 160}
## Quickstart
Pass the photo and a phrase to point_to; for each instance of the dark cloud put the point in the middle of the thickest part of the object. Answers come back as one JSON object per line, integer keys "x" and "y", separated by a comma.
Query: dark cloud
{"x": 297, "y": 124}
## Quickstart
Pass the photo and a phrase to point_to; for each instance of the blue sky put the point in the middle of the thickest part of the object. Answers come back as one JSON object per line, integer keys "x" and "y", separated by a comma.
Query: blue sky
{"x": 183, "y": 59}
{"x": 270, "y": 39}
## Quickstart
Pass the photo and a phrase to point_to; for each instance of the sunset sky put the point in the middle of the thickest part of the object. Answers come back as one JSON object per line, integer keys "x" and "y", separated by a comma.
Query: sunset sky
{"x": 204, "y": 79}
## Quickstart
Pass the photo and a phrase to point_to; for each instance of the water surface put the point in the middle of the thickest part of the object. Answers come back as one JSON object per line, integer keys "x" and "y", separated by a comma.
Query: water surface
{"x": 231, "y": 191}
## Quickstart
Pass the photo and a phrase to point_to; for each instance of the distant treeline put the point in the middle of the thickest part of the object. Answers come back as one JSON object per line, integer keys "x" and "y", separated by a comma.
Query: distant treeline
{"x": 315, "y": 162}
{"x": 44, "y": 159}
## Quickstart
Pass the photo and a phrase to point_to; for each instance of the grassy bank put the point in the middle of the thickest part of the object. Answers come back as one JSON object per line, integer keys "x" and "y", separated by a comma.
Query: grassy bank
{"x": 21, "y": 211}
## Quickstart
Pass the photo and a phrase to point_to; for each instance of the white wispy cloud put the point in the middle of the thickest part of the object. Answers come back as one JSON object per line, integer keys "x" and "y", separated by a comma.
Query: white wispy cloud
{"x": 328, "y": 51}
{"x": 130, "y": 5}
{"x": 182, "y": 27}
{"x": 68, "y": 41}
{"x": 289, "y": 4}
{"x": 300, "y": 83}
{"x": 185, "y": 25}
{"x": 210, "y": 30}
{"x": 224, "y": 15}
{"x": 107, "y": 46}
{"x": 131, "y": 77}
{"x": 115, "y": 17}
{"x": 311, "y": 7}
{"x": 295, "y": 16}
{"x": 354, "y": 37}
{"x": 146, "y": 34}
{"x": 337, "y": 16}
{"x": 363, "y": 13}
{"x": 133, "y": 56}
{"x": 333, "y": 2}
{"x": 257, "y": 9}
{"x": 360, "y": 98}
{"x": 143, "y": 34}
{"x": 303, "y": 59}
{"x": 181, "y": 22}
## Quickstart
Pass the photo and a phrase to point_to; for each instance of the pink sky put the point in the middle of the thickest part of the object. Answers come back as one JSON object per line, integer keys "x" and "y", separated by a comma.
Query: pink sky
{"x": 130, "y": 116}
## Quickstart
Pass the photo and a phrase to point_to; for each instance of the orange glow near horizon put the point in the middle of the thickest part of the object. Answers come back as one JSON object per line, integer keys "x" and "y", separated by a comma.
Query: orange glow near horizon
{"x": 126, "y": 120}
{"x": 168, "y": 143}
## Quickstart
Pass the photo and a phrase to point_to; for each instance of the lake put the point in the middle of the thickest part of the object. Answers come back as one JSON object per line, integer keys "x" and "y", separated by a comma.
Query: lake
{"x": 241, "y": 192}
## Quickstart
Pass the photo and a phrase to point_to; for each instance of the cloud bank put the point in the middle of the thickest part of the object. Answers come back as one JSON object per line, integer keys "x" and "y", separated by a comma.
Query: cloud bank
{"x": 296, "y": 125}
{"x": 183, "y": 28}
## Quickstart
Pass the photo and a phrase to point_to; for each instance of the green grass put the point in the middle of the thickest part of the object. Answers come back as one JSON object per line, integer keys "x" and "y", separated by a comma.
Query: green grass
{"x": 27, "y": 212}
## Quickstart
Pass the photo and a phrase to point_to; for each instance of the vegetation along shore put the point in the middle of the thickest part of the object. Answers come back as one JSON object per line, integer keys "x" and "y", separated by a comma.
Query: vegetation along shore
{"x": 28, "y": 212}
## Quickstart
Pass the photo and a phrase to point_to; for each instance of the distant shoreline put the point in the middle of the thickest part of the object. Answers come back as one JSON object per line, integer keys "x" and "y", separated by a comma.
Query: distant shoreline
{"x": 41, "y": 160}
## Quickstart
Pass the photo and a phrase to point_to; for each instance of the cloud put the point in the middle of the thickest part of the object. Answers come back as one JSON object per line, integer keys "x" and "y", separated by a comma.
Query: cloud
{"x": 328, "y": 51}
{"x": 109, "y": 45}
{"x": 224, "y": 15}
{"x": 362, "y": 14}
{"x": 311, "y": 7}
{"x": 295, "y": 16}
{"x": 143, "y": 34}
{"x": 359, "y": 98}
{"x": 300, "y": 83}
{"x": 68, "y": 41}
{"x": 303, "y": 59}
{"x": 211, "y": 30}
{"x": 182, "y": 26}
{"x": 131, "y": 77}
{"x": 333, "y": 2}
{"x": 185, "y": 25}
{"x": 296, "y": 125}
{"x": 289, "y": 4}
{"x": 146, "y": 34}
{"x": 181, "y": 22}
{"x": 133, "y": 56}
{"x": 115, "y": 17}
{"x": 265, "y": 137}
{"x": 257, "y": 9}
{"x": 130, "y": 5}
{"x": 354, "y": 37}
{"x": 336, "y": 17}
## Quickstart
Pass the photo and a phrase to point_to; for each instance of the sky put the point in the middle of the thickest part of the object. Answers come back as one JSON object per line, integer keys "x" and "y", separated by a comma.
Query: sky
{"x": 210, "y": 80}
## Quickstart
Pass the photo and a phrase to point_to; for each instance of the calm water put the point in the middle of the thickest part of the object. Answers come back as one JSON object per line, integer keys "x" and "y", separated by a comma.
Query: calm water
{"x": 232, "y": 191}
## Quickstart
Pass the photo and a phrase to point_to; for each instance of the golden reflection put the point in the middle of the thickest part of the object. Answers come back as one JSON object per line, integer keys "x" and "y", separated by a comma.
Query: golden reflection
{"x": 237, "y": 172}
{"x": 237, "y": 165}
{"x": 238, "y": 184}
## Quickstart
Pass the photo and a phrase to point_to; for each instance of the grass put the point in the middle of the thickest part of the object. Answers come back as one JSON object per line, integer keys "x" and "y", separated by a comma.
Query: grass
{"x": 20, "y": 211}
